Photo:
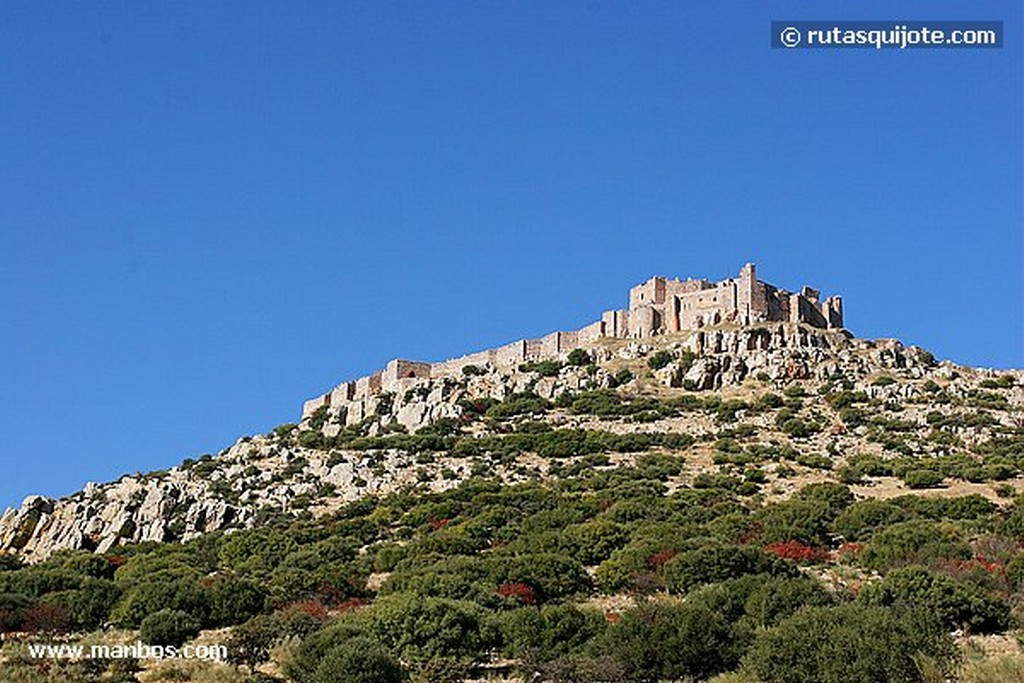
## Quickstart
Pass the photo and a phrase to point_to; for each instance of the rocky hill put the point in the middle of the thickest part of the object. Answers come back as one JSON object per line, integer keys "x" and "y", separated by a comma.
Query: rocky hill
{"x": 739, "y": 504}
{"x": 823, "y": 399}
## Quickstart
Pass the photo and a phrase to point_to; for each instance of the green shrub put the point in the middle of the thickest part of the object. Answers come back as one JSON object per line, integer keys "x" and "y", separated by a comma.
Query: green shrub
{"x": 915, "y": 541}
{"x": 311, "y": 439}
{"x": 922, "y": 479}
{"x": 547, "y": 576}
{"x": 282, "y": 431}
{"x": 870, "y": 465}
{"x": 544, "y": 368}
{"x": 168, "y": 627}
{"x": 526, "y": 403}
{"x": 958, "y": 605}
{"x": 794, "y": 390}
{"x": 601, "y": 402}
{"x": 90, "y": 604}
{"x": 814, "y": 460}
{"x": 358, "y": 660}
{"x": 853, "y": 417}
{"x": 670, "y": 642}
{"x": 989, "y": 400}
{"x": 845, "y": 399}
{"x": 799, "y": 428}
{"x": 761, "y": 599}
{"x": 596, "y": 540}
{"x": 1015, "y": 572}
{"x": 860, "y": 520}
{"x": 234, "y": 600}
{"x": 713, "y": 562}
{"x": 659, "y": 360}
{"x": 835, "y": 496}
{"x": 9, "y": 562}
{"x": 579, "y": 357}
{"x": 12, "y": 608}
{"x": 1001, "y": 382}
{"x": 622, "y": 377}
{"x": 852, "y": 642}
{"x": 778, "y": 598}
{"x": 549, "y": 631}
{"x": 420, "y": 629}
{"x": 972, "y": 506}
{"x": 807, "y": 521}
{"x": 178, "y": 593}
{"x": 250, "y": 643}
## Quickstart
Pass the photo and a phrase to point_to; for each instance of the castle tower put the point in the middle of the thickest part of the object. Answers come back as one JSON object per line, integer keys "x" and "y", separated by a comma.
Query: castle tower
{"x": 834, "y": 311}
{"x": 745, "y": 294}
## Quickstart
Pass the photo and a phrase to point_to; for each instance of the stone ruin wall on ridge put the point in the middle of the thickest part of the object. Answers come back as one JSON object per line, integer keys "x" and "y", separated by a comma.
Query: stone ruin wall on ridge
{"x": 656, "y": 307}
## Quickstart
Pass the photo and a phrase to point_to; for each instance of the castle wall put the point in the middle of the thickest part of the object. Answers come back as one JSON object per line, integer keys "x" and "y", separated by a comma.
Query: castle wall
{"x": 313, "y": 404}
{"x": 510, "y": 354}
{"x": 342, "y": 393}
{"x": 677, "y": 287}
{"x": 834, "y": 311}
{"x": 657, "y": 306}
{"x": 403, "y": 369}
{"x": 453, "y": 367}
{"x": 806, "y": 310}
{"x": 557, "y": 343}
{"x": 616, "y": 323}
{"x": 591, "y": 332}
{"x": 646, "y": 322}
{"x": 649, "y": 293}
{"x": 367, "y": 385}
{"x": 708, "y": 306}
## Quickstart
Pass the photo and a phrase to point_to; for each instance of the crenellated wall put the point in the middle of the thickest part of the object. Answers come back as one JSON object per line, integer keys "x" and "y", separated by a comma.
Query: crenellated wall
{"x": 663, "y": 306}
{"x": 658, "y": 306}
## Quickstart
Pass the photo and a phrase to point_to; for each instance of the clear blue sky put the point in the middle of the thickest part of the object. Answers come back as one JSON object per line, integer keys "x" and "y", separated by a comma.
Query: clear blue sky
{"x": 211, "y": 211}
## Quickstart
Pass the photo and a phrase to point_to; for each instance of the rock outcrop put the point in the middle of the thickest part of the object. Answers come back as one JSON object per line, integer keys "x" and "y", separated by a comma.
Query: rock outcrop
{"x": 301, "y": 467}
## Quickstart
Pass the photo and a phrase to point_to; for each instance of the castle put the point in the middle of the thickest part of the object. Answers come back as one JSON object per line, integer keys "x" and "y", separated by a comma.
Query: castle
{"x": 661, "y": 306}
{"x": 658, "y": 306}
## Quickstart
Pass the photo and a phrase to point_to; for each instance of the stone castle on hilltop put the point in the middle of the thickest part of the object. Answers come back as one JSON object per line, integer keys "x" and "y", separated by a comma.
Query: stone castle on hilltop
{"x": 656, "y": 307}
{"x": 662, "y": 306}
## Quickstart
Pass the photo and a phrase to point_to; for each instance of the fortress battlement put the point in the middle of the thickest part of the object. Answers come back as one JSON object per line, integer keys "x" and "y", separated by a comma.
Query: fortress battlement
{"x": 656, "y": 307}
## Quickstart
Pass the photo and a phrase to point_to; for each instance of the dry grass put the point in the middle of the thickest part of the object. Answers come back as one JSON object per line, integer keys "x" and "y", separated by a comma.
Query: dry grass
{"x": 1001, "y": 669}
{"x": 883, "y": 488}
{"x": 193, "y": 671}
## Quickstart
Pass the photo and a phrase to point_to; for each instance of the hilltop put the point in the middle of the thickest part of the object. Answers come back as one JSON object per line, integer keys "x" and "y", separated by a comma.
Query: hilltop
{"x": 728, "y": 437}
{"x": 392, "y": 429}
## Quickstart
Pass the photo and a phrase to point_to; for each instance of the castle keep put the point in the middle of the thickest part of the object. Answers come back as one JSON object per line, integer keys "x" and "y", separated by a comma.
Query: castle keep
{"x": 661, "y": 306}
{"x": 658, "y": 306}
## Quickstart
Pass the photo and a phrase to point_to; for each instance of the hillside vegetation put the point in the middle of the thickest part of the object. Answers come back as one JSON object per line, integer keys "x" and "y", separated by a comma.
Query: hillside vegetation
{"x": 840, "y": 511}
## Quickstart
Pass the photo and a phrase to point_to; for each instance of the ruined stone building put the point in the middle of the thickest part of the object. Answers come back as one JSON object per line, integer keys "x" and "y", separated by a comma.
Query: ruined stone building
{"x": 656, "y": 307}
{"x": 663, "y": 306}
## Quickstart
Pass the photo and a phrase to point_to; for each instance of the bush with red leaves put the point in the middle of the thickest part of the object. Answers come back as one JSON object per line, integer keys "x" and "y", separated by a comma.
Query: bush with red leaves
{"x": 436, "y": 524}
{"x": 798, "y": 552}
{"x": 46, "y": 619}
{"x": 311, "y": 608}
{"x": 658, "y": 559}
{"x": 522, "y": 592}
